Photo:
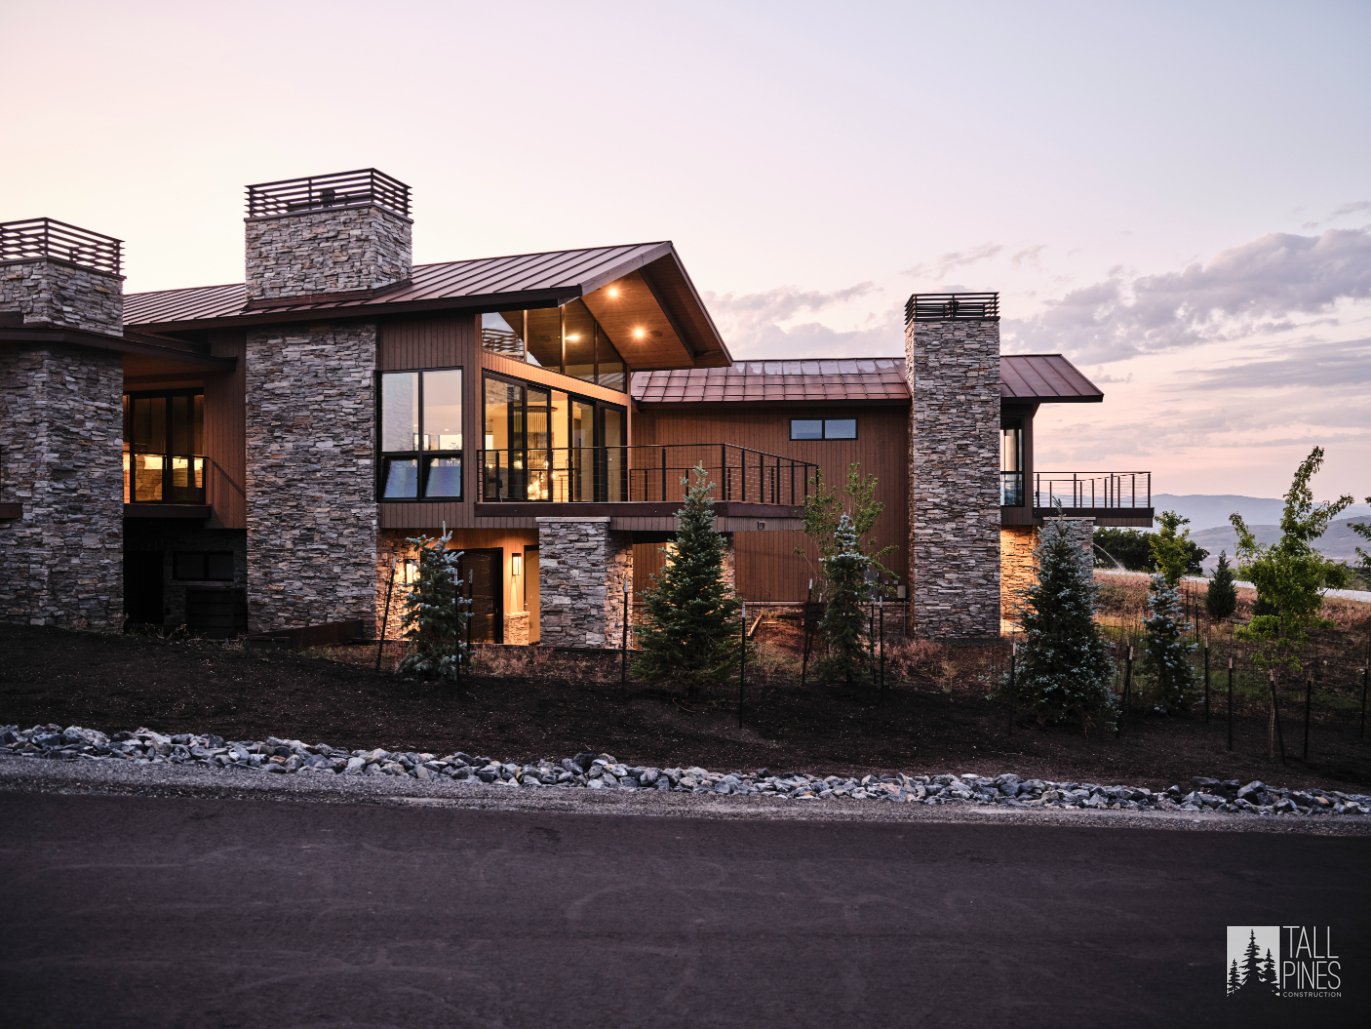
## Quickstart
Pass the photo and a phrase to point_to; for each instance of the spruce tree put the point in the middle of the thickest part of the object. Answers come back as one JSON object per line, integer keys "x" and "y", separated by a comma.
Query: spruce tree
{"x": 1064, "y": 669}
{"x": 1269, "y": 972}
{"x": 690, "y": 633}
{"x": 1233, "y": 982}
{"x": 434, "y": 613}
{"x": 1251, "y": 961}
{"x": 844, "y": 627}
{"x": 1166, "y": 657}
{"x": 1221, "y": 597}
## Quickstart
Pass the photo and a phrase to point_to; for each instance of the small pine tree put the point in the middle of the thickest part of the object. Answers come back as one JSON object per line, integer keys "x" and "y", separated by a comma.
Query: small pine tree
{"x": 1233, "y": 982}
{"x": 1269, "y": 972}
{"x": 433, "y": 614}
{"x": 1064, "y": 669}
{"x": 690, "y": 632}
{"x": 1166, "y": 657}
{"x": 1221, "y": 597}
{"x": 1251, "y": 961}
{"x": 844, "y": 628}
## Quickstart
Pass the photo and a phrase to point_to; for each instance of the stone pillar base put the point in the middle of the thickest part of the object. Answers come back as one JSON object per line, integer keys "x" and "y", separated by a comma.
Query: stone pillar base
{"x": 583, "y": 570}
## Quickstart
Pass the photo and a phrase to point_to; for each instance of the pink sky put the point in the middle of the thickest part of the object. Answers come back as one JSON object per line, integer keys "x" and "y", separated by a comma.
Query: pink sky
{"x": 1173, "y": 195}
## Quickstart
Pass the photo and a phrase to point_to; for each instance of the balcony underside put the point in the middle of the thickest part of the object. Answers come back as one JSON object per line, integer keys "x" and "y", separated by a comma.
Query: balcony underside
{"x": 647, "y": 516}
{"x": 1120, "y": 517}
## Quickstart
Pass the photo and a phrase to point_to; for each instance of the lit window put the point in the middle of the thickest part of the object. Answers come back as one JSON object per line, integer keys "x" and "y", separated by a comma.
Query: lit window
{"x": 421, "y": 435}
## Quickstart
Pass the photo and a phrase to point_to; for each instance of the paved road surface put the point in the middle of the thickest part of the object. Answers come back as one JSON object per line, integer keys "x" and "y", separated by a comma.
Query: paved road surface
{"x": 188, "y": 911}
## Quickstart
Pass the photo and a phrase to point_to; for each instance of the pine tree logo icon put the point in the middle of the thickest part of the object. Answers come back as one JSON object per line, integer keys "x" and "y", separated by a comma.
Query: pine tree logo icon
{"x": 1254, "y": 960}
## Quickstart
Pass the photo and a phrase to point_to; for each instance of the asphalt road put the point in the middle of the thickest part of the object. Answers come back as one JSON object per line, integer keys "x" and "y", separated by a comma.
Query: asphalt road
{"x": 189, "y": 911}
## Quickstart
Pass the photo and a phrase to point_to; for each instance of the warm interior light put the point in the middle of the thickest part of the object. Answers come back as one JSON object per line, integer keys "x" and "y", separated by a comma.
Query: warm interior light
{"x": 613, "y": 292}
{"x": 573, "y": 337}
{"x": 516, "y": 565}
{"x": 639, "y": 332}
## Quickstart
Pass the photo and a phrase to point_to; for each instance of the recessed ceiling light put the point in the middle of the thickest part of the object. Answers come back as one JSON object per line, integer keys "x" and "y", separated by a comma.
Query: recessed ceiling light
{"x": 640, "y": 333}
{"x": 613, "y": 292}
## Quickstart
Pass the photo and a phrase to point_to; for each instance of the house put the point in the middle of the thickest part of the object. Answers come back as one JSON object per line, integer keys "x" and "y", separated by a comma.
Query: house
{"x": 254, "y": 456}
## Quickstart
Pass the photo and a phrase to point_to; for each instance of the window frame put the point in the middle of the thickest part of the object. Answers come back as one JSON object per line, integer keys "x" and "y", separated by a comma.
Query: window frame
{"x": 131, "y": 451}
{"x": 823, "y": 430}
{"x": 422, "y": 457}
{"x": 601, "y": 345}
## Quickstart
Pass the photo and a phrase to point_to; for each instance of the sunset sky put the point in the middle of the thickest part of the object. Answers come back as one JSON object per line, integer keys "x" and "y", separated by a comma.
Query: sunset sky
{"x": 1175, "y": 195}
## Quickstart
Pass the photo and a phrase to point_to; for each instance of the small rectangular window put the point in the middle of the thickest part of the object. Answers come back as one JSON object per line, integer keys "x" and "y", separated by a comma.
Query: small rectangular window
{"x": 202, "y": 565}
{"x": 823, "y": 428}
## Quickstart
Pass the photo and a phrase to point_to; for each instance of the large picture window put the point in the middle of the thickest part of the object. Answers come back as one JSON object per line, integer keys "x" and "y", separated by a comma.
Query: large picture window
{"x": 164, "y": 442}
{"x": 564, "y": 339}
{"x": 421, "y": 435}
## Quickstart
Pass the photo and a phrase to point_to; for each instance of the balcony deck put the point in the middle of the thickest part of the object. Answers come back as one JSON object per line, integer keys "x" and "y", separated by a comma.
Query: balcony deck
{"x": 1122, "y": 499}
{"x": 640, "y": 488}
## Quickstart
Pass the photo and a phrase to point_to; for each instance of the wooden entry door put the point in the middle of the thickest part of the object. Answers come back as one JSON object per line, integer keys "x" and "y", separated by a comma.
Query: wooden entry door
{"x": 483, "y": 577}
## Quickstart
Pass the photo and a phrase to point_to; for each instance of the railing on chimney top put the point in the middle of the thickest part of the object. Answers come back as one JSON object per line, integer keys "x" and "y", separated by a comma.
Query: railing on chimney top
{"x": 360, "y": 188}
{"x": 38, "y": 239}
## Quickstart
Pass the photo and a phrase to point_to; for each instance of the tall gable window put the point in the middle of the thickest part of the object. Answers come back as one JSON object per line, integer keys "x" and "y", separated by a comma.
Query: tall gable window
{"x": 564, "y": 339}
{"x": 421, "y": 435}
{"x": 823, "y": 428}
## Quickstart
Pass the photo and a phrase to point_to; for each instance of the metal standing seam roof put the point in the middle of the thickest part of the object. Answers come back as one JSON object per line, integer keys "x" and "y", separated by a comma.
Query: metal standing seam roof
{"x": 571, "y": 270}
{"x": 1038, "y": 378}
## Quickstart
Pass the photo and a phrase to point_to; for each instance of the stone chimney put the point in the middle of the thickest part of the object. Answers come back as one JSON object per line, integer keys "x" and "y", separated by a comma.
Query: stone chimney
{"x": 348, "y": 232}
{"x": 55, "y": 274}
{"x": 952, "y": 363}
{"x": 61, "y": 507}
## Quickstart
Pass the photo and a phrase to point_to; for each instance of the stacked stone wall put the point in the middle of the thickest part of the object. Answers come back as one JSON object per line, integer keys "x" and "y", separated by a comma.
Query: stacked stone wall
{"x": 57, "y": 293}
{"x": 1018, "y": 570}
{"x": 333, "y": 251}
{"x": 311, "y": 507}
{"x": 61, "y": 443}
{"x": 583, "y": 568}
{"x": 953, "y": 368}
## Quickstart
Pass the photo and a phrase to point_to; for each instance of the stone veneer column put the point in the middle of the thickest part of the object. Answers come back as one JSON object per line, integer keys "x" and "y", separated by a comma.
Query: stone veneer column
{"x": 61, "y": 442}
{"x": 311, "y": 506}
{"x": 337, "y": 250}
{"x": 582, "y": 569}
{"x": 953, "y": 369}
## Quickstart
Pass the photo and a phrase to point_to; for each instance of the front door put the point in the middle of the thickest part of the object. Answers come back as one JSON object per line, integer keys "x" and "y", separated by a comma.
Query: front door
{"x": 483, "y": 581}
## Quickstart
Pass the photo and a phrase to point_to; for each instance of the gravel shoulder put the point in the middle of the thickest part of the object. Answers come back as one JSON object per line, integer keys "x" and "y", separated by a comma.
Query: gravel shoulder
{"x": 20, "y": 774}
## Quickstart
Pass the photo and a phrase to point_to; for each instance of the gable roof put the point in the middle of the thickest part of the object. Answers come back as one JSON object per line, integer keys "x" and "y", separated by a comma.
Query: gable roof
{"x": 518, "y": 280}
{"x": 1032, "y": 378}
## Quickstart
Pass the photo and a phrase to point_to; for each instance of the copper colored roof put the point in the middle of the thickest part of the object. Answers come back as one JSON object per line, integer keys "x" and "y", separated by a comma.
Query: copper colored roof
{"x": 864, "y": 379}
{"x": 1045, "y": 379}
{"x": 569, "y": 272}
{"x": 1035, "y": 378}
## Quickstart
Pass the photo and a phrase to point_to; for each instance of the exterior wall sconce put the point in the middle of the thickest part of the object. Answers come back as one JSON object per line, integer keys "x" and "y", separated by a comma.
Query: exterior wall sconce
{"x": 516, "y": 565}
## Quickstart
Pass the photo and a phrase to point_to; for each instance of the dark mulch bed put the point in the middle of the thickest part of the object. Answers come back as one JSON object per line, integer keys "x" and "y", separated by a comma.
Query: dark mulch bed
{"x": 114, "y": 683}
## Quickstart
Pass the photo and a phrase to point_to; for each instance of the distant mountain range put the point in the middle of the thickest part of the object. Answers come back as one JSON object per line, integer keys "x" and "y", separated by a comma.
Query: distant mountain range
{"x": 1209, "y": 526}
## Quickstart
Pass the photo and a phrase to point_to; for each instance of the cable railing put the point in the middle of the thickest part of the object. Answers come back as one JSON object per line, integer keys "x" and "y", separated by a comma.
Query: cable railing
{"x": 46, "y": 238}
{"x": 163, "y": 478}
{"x": 644, "y": 473}
{"x": 1107, "y": 490}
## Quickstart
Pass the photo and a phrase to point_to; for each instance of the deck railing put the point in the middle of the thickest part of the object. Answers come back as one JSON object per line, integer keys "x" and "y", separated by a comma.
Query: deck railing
{"x": 645, "y": 473}
{"x": 39, "y": 238}
{"x": 1107, "y": 490}
{"x": 326, "y": 192}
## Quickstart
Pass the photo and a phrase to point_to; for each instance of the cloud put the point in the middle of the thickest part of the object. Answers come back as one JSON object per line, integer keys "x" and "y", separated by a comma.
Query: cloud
{"x": 1028, "y": 256}
{"x": 940, "y": 268}
{"x": 1249, "y": 289}
{"x": 1341, "y": 365}
{"x": 758, "y": 325}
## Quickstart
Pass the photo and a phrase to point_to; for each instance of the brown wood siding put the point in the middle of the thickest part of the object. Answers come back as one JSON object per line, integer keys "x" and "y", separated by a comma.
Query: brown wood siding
{"x": 768, "y": 568}
{"x": 450, "y": 341}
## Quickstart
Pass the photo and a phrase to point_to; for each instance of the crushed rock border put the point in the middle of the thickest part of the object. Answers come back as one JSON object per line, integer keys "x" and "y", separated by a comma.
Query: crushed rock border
{"x": 603, "y": 772}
